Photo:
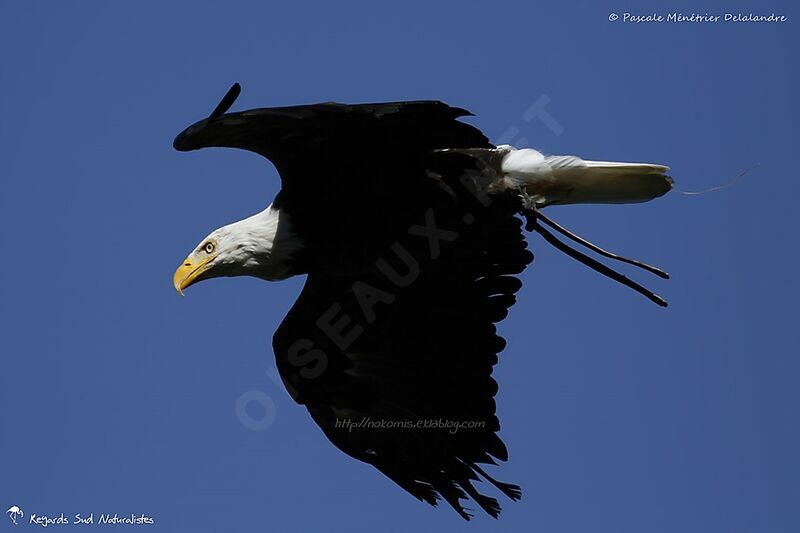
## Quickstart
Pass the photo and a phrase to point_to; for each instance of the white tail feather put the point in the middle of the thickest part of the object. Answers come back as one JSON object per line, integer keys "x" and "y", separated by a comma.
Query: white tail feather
{"x": 567, "y": 179}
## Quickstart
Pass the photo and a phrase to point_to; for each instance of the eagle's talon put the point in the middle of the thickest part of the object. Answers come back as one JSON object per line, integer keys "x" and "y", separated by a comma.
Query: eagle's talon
{"x": 528, "y": 209}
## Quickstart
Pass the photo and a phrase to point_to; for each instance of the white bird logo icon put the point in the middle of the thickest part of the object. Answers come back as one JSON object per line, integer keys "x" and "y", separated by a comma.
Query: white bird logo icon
{"x": 15, "y": 512}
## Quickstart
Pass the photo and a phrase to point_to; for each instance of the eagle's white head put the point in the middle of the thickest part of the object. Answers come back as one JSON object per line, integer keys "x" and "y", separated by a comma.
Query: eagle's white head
{"x": 262, "y": 246}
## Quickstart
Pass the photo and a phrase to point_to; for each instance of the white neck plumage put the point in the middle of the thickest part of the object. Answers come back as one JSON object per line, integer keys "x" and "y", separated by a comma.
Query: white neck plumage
{"x": 262, "y": 245}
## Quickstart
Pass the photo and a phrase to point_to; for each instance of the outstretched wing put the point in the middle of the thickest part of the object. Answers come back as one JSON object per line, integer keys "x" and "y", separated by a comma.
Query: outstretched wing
{"x": 394, "y": 362}
{"x": 288, "y": 134}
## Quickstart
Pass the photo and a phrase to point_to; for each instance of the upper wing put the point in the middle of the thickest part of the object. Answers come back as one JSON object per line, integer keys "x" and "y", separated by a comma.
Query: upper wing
{"x": 394, "y": 363}
{"x": 352, "y": 175}
{"x": 295, "y": 134}
{"x": 346, "y": 170}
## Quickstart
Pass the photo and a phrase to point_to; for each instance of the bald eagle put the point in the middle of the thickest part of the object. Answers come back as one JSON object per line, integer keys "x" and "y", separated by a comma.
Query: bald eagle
{"x": 408, "y": 225}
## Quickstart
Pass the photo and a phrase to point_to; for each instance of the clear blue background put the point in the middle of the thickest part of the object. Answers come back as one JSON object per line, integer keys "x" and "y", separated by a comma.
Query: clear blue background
{"x": 117, "y": 395}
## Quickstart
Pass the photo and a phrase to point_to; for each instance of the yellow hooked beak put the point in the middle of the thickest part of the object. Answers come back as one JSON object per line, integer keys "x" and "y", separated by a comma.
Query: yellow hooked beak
{"x": 189, "y": 271}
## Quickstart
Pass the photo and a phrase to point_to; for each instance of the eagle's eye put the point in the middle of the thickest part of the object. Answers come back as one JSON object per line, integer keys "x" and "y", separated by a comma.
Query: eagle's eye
{"x": 209, "y": 247}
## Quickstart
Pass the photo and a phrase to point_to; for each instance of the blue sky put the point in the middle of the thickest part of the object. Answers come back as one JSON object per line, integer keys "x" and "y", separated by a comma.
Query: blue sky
{"x": 118, "y": 396}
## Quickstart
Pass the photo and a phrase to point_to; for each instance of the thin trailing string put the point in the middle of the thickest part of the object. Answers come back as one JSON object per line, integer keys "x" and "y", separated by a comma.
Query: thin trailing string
{"x": 731, "y": 183}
